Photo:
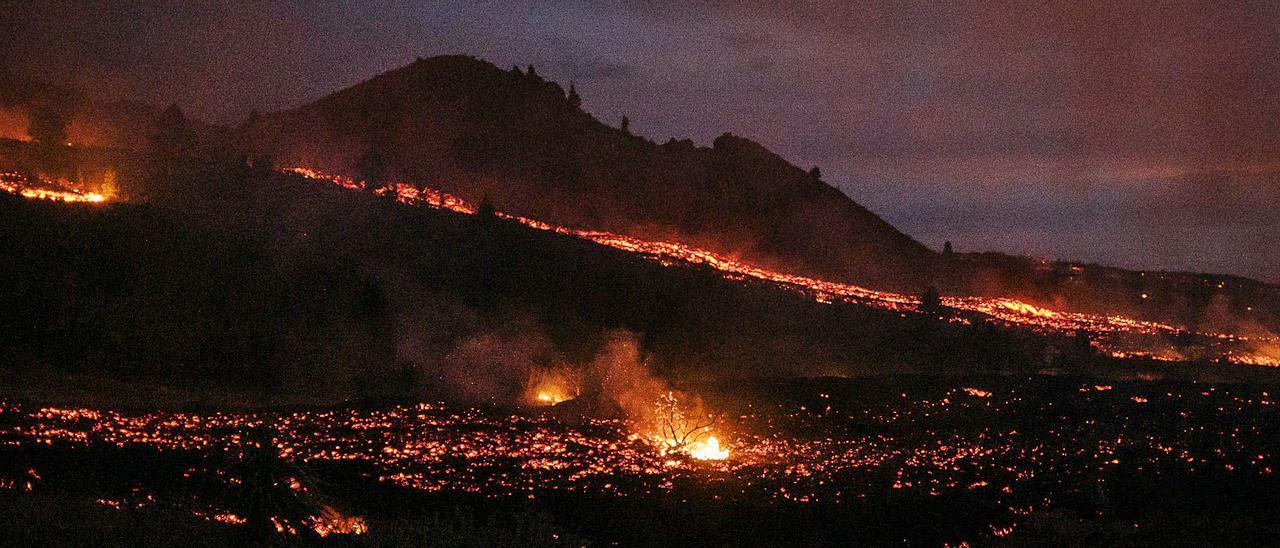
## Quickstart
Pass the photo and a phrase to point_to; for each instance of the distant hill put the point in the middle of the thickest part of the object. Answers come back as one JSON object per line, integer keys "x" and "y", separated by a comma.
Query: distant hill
{"x": 473, "y": 129}
{"x": 466, "y": 126}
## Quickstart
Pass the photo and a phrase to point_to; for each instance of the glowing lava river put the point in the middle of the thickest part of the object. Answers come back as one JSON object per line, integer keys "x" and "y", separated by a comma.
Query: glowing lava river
{"x": 1119, "y": 336}
{"x": 58, "y": 191}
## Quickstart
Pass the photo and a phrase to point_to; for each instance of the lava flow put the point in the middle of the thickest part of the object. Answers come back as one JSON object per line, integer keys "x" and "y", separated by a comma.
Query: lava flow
{"x": 1010, "y": 311}
{"x": 59, "y": 190}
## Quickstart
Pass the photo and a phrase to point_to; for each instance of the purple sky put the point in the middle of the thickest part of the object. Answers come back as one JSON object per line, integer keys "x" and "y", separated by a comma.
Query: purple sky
{"x": 1140, "y": 137}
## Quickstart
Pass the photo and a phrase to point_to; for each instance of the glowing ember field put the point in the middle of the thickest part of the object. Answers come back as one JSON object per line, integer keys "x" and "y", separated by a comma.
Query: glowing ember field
{"x": 1021, "y": 449}
{"x": 1119, "y": 336}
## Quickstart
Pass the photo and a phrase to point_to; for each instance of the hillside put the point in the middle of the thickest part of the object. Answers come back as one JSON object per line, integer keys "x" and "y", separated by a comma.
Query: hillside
{"x": 251, "y": 283}
{"x": 467, "y": 127}
{"x": 464, "y": 126}
{"x": 475, "y": 130}
{"x": 230, "y": 282}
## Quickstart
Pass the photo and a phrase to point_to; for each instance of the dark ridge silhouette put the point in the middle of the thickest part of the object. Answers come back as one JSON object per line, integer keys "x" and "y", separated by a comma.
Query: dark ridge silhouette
{"x": 463, "y": 125}
{"x": 467, "y": 126}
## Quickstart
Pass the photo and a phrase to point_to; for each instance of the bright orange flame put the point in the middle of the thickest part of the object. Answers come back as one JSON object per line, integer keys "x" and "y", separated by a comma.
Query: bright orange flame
{"x": 682, "y": 432}
{"x": 60, "y": 190}
{"x": 553, "y": 386}
{"x": 1024, "y": 308}
{"x": 708, "y": 450}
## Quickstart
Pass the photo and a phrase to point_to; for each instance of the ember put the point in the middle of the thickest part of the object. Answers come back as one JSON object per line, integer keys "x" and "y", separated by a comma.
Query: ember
{"x": 936, "y": 443}
{"x": 332, "y": 522}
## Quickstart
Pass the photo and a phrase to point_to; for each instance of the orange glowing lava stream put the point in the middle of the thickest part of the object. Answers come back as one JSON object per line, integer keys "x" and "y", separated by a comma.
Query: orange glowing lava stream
{"x": 16, "y": 183}
{"x": 1007, "y": 310}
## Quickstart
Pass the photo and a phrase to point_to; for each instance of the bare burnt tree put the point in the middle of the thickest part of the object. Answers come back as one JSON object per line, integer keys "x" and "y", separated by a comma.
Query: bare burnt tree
{"x": 679, "y": 429}
{"x": 273, "y": 494}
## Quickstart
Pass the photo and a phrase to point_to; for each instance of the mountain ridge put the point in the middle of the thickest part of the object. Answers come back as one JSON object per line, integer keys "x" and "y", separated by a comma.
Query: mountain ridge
{"x": 478, "y": 131}
{"x": 463, "y": 125}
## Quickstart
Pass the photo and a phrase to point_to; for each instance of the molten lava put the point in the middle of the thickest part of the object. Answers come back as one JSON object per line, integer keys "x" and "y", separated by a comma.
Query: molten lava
{"x": 60, "y": 190}
{"x": 1010, "y": 311}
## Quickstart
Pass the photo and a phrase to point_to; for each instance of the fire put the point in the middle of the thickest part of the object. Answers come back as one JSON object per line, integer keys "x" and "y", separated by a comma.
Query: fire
{"x": 331, "y": 522}
{"x": 553, "y": 387}
{"x": 1262, "y": 353}
{"x": 513, "y": 455}
{"x": 708, "y": 450}
{"x": 1009, "y": 311}
{"x": 682, "y": 433}
{"x": 228, "y": 518}
{"x": 60, "y": 190}
{"x": 1258, "y": 360}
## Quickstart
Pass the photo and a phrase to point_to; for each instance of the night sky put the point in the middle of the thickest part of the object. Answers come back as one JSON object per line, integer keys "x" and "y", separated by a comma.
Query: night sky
{"x": 1142, "y": 137}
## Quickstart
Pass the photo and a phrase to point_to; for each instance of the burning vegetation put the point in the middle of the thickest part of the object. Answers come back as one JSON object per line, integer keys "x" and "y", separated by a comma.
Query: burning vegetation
{"x": 681, "y": 432}
{"x": 553, "y": 386}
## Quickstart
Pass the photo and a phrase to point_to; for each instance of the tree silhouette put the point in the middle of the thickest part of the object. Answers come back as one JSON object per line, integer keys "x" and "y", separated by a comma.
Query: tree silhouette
{"x": 930, "y": 300}
{"x": 677, "y": 429}
{"x": 816, "y": 173}
{"x": 574, "y": 99}
{"x": 172, "y": 135}
{"x": 273, "y": 494}
{"x": 486, "y": 210}
{"x": 626, "y": 125}
{"x": 372, "y": 169}
{"x": 946, "y": 249}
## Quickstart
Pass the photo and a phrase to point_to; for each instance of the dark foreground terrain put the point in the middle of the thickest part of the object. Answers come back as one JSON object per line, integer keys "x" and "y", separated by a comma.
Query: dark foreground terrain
{"x": 897, "y": 460}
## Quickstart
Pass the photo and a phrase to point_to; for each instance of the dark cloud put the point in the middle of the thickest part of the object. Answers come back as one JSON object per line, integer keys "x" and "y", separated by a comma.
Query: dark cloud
{"x": 1212, "y": 199}
{"x": 1109, "y": 131}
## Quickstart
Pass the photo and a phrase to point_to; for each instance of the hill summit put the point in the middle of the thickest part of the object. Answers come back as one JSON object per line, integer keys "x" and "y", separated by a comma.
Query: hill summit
{"x": 475, "y": 130}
